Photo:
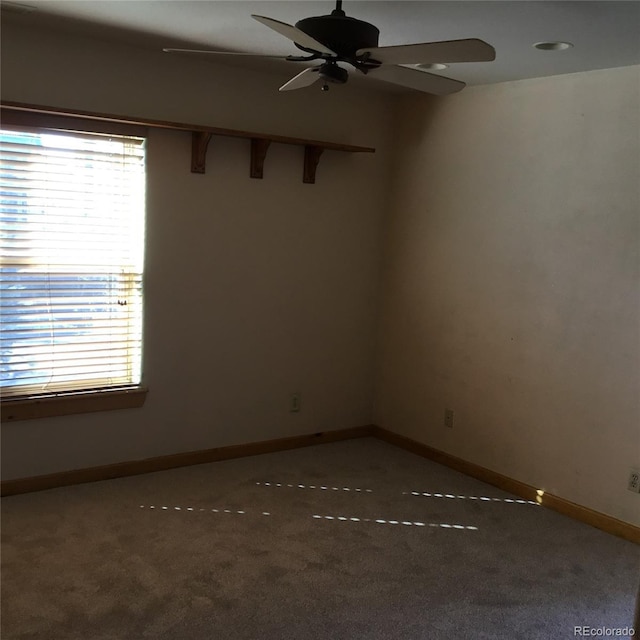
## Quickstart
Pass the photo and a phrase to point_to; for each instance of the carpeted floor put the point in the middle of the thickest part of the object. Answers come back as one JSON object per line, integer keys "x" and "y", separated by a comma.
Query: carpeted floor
{"x": 351, "y": 540}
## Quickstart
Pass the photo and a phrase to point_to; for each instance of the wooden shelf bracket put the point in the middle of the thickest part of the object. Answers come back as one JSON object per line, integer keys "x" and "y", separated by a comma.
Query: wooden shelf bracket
{"x": 312, "y": 155}
{"x": 259, "y": 148}
{"x": 199, "y": 144}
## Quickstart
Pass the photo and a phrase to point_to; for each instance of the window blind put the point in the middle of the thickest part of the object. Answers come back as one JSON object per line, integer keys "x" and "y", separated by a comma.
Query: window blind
{"x": 72, "y": 242}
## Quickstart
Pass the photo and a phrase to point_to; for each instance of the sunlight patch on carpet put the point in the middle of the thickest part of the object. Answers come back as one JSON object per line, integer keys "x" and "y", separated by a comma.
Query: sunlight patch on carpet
{"x": 406, "y": 523}
{"x": 313, "y": 486}
{"x": 459, "y": 497}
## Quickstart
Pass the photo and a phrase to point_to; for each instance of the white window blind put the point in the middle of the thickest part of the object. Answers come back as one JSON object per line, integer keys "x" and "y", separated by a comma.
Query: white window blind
{"x": 72, "y": 238}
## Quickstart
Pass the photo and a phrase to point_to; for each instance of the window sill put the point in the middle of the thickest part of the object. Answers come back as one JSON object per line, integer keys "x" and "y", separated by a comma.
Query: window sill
{"x": 68, "y": 404}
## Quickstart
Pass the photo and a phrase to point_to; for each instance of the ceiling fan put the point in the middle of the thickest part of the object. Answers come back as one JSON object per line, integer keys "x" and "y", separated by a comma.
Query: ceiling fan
{"x": 338, "y": 38}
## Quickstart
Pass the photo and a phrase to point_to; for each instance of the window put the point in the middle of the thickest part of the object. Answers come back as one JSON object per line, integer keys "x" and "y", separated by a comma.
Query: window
{"x": 72, "y": 241}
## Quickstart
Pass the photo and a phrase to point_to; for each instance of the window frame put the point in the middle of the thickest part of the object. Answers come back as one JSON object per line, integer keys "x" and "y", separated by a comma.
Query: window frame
{"x": 29, "y": 407}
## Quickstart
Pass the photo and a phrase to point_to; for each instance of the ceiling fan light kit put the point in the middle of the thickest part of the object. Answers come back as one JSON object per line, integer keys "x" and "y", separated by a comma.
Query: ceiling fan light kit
{"x": 338, "y": 38}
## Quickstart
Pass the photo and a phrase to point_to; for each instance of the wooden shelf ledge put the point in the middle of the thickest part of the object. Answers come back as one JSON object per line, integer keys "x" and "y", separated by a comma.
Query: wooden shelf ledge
{"x": 17, "y": 114}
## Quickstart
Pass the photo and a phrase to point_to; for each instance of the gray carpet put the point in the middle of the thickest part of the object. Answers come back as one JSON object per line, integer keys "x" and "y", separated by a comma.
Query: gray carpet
{"x": 327, "y": 542}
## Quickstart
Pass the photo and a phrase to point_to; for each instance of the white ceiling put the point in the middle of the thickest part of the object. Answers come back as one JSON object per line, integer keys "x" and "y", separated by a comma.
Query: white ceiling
{"x": 604, "y": 34}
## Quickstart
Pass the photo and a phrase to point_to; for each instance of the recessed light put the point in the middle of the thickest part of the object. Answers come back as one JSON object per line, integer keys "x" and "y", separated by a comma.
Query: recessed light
{"x": 432, "y": 66}
{"x": 553, "y": 46}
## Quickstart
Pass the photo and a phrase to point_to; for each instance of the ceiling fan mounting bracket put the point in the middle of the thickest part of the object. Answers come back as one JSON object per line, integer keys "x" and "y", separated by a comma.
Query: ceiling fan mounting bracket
{"x": 338, "y": 10}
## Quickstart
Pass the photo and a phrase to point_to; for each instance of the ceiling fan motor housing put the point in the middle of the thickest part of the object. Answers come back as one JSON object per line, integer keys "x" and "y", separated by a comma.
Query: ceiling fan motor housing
{"x": 341, "y": 34}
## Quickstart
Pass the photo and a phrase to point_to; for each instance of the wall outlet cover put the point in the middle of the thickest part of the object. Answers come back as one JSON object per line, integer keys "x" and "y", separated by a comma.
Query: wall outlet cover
{"x": 448, "y": 418}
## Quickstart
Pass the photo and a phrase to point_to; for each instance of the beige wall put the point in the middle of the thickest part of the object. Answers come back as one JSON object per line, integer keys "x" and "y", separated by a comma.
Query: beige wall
{"x": 254, "y": 288}
{"x": 511, "y": 283}
{"x": 510, "y": 280}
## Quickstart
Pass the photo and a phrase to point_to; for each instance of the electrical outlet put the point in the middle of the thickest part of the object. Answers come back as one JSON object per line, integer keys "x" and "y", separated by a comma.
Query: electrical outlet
{"x": 634, "y": 481}
{"x": 448, "y": 418}
{"x": 294, "y": 403}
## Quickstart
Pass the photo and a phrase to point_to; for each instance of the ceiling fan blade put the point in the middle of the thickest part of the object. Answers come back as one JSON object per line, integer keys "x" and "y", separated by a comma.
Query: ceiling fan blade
{"x": 470, "y": 50}
{"x": 304, "y": 79}
{"x": 221, "y": 53}
{"x": 414, "y": 79}
{"x": 293, "y": 33}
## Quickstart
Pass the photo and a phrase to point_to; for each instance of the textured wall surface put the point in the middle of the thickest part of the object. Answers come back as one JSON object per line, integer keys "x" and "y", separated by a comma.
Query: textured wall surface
{"x": 254, "y": 288}
{"x": 511, "y": 283}
{"x": 506, "y": 219}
